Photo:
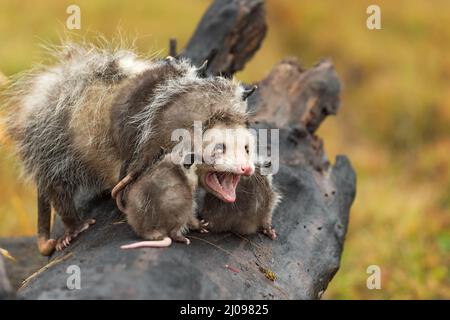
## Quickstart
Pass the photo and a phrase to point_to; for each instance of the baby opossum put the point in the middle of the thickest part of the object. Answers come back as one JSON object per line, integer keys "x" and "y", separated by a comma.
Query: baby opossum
{"x": 100, "y": 115}
{"x": 160, "y": 204}
{"x": 251, "y": 212}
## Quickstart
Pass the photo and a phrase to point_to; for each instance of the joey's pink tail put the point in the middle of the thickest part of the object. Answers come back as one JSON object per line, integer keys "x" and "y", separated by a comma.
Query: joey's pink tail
{"x": 166, "y": 242}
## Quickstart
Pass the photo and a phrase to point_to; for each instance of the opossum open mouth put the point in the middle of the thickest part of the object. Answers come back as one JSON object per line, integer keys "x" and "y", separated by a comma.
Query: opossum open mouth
{"x": 223, "y": 184}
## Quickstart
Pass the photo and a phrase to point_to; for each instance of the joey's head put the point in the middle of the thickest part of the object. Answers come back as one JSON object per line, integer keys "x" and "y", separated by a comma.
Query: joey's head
{"x": 228, "y": 153}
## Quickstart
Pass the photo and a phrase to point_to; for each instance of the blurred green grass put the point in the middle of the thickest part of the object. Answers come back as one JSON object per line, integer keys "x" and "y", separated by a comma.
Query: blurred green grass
{"x": 394, "y": 121}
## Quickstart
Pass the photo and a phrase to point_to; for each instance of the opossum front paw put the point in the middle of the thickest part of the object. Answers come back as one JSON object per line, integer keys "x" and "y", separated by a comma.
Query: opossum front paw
{"x": 203, "y": 226}
{"x": 64, "y": 241}
{"x": 270, "y": 232}
{"x": 198, "y": 225}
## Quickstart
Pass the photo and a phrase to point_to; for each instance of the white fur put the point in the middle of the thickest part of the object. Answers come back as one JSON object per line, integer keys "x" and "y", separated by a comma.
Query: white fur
{"x": 235, "y": 154}
{"x": 133, "y": 66}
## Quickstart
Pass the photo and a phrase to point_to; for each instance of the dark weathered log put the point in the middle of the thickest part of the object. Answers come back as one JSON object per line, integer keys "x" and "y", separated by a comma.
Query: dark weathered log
{"x": 311, "y": 221}
{"x": 228, "y": 35}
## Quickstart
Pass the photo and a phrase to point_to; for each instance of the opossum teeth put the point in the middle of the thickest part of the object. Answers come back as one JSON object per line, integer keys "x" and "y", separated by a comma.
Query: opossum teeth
{"x": 221, "y": 177}
{"x": 223, "y": 184}
{"x": 235, "y": 179}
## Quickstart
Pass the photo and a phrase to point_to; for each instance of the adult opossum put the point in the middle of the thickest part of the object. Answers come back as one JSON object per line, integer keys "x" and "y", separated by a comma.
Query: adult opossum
{"x": 252, "y": 211}
{"x": 99, "y": 115}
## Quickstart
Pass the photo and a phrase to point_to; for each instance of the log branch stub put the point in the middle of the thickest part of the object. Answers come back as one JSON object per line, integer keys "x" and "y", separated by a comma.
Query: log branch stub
{"x": 228, "y": 35}
{"x": 172, "y": 47}
{"x": 291, "y": 96}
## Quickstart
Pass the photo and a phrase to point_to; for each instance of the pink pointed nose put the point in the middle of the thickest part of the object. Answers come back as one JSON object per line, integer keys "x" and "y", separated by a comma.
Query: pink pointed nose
{"x": 246, "y": 170}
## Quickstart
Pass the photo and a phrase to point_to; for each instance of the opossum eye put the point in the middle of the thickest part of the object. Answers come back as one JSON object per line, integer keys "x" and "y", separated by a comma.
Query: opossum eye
{"x": 219, "y": 148}
{"x": 247, "y": 149}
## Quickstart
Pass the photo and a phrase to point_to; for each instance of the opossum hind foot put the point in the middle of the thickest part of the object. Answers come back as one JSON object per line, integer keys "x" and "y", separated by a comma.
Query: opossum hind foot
{"x": 203, "y": 226}
{"x": 270, "y": 232}
{"x": 64, "y": 241}
{"x": 179, "y": 237}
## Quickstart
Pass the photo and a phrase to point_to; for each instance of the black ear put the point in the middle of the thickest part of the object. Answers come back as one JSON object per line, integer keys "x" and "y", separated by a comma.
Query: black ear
{"x": 169, "y": 59}
{"x": 267, "y": 164}
{"x": 189, "y": 160}
{"x": 248, "y": 92}
{"x": 201, "y": 71}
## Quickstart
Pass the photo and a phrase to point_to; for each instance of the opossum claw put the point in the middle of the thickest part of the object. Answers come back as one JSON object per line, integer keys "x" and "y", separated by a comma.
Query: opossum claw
{"x": 270, "y": 232}
{"x": 65, "y": 240}
{"x": 203, "y": 225}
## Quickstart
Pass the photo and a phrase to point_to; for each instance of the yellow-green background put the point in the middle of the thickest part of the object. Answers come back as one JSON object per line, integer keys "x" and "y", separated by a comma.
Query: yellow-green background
{"x": 394, "y": 123}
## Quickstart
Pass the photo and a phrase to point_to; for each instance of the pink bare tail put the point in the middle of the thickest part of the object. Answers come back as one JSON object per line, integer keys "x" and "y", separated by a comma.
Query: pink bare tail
{"x": 166, "y": 242}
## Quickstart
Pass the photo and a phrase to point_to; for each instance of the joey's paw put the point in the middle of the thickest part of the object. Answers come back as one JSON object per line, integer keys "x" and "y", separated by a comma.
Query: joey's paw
{"x": 198, "y": 225}
{"x": 270, "y": 232}
{"x": 203, "y": 226}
